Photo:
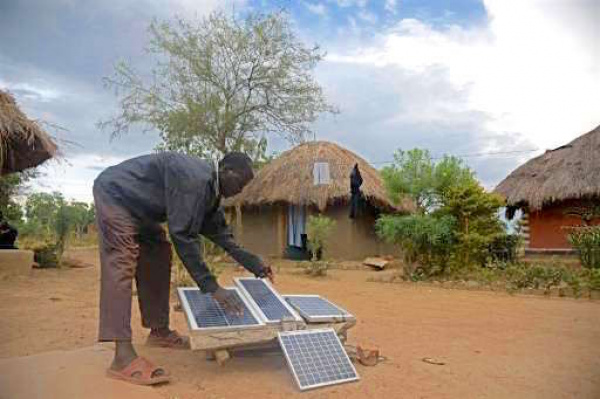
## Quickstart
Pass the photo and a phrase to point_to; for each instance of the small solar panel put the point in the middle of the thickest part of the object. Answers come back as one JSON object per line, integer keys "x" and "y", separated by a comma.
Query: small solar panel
{"x": 316, "y": 358}
{"x": 203, "y": 312}
{"x": 268, "y": 302}
{"x": 314, "y": 308}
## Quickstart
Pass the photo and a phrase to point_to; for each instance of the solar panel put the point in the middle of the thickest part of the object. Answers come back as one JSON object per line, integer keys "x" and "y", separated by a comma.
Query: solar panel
{"x": 269, "y": 303}
{"x": 203, "y": 312}
{"x": 316, "y": 358}
{"x": 314, "y": 308}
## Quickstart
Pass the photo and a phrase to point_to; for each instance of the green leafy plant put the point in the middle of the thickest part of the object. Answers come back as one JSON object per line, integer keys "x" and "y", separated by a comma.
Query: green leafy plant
{"x": 593, "y": 278}
{"x": 319, "y": 229}
{"x": 586, "y": 240}
{"x": 427, "y": 241}
{"x": 46, "y": 254}
{"x": 456, "y": 219}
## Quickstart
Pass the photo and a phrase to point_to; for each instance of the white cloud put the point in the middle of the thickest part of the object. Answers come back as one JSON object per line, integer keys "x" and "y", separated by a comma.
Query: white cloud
{"x": 74, "y": 177}
{"x": 390, "y": 6}
{"x": 201, "y": 7}
{"x": 319, "y": 8}
{"x": 367, "y": 16}
{"x": 533, "y": 69}
{"x": 37, "y": 91}
{"x": 351, "y": 3}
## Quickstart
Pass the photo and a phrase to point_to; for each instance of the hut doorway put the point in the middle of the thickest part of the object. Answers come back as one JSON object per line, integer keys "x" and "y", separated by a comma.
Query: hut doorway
{"x": 296, "y": 233}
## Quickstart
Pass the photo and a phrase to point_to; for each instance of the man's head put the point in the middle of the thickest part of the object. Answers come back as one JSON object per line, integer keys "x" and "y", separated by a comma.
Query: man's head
{"x": 235, "y": 171}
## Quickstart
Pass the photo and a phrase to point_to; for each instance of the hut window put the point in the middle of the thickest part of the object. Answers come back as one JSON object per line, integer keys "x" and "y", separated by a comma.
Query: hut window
{"x": 321, "y": 173}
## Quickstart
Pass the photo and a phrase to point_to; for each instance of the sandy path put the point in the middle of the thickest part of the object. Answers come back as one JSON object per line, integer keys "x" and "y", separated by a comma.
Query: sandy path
{"x": 494, "y": 345}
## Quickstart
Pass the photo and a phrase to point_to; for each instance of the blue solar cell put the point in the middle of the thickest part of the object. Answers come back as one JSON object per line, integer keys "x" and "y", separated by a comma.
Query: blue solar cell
{"x": 208, "y": 313}
{"x": 315, "y": 306}
{"x": 272, "y": 307}
{"x": 317, "y": 358}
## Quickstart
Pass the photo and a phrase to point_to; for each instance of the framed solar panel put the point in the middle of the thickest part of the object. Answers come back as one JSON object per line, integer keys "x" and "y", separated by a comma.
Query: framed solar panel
{"x": 316, "y": 309}
{"x": 267, "y": 302}
{"x": 316, "y": 358}
{"x": 205, "y": 314}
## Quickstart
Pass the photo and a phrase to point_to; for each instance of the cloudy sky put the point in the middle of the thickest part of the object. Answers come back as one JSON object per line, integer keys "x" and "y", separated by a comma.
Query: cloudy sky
{"x": 494, "y": 81}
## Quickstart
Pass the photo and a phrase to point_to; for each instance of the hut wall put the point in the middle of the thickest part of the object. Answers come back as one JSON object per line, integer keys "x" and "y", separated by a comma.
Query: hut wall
{"x": 263, "y": 231}
{"x": 354, "y": 239}
{"x": 259, "y": 230}
{"x": 546, "y": 227}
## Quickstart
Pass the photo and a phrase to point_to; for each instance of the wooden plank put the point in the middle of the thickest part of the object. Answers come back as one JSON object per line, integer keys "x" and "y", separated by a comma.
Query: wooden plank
{"x": 213, "y": 340}
{"x": 377, "y": 263}
{"x": 263, "y": 336}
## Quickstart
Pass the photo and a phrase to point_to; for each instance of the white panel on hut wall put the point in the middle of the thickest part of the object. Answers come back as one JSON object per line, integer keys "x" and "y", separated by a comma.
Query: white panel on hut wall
{"x": 321, "y": 175}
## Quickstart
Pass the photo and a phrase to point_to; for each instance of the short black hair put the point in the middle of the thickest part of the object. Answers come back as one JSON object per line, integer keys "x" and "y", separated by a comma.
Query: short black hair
{"x": 238, "y": 162}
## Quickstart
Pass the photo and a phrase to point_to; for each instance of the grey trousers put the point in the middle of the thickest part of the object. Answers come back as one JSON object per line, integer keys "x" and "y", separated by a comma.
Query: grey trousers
{"x": 127, "y": 250}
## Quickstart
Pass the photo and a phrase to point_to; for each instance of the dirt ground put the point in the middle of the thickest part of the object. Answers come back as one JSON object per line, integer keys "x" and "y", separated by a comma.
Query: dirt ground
{"x": 494, "y": 345}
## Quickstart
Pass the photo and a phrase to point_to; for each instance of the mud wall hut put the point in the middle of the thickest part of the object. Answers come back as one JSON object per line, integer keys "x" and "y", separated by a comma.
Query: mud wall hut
{"x": 270, "y": 215}
{"x": 556, "y": 190}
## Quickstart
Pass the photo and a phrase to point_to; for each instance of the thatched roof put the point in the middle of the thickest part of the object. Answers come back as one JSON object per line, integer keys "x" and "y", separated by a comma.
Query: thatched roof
{"x": 23, "y": 144}
{"x": 289, "y": 179}
{"x": 571, "y": 171}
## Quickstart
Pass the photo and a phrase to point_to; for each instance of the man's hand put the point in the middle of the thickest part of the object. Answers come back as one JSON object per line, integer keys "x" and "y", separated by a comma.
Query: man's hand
{"x": 267, "y": 272}
{"x": 229, "y": 302}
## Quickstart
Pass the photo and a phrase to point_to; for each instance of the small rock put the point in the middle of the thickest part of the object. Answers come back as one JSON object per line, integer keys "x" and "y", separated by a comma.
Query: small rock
{"x": 472, "y": 285}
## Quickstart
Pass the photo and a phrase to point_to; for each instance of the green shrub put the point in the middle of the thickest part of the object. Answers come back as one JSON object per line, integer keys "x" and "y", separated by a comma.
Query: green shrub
{"x": 456, "y": 218}
{"x": 319, "y": 229}
{"x": 586, "y": 240}
{"x": 47, "y": 254}
{"x": 317, "y": 268}
{"x": 426, "y": 240}
{"x": 521, "y": 276}
{"x": 593, "y": 278}
{"x": 504, "y": 248}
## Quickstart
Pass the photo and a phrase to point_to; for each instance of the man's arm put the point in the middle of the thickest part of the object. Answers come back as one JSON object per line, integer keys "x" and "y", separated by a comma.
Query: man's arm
{"x": 184, "y": 217}
{"x": 215, "y": 229}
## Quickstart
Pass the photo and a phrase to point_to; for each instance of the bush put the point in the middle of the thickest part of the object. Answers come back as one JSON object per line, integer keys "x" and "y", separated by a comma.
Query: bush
{"x": 523, "y": 276}
{"x": 424, "y": 239}
{"x": 47, "y": 254}
{"x": 456, "y": 218}
{"x": 504, "y": 248}
{"x": 319, "y": 229}
{"x": 593, "y": 278}
{"x": 586, "y": 240}
{"x": 317, "y": 268}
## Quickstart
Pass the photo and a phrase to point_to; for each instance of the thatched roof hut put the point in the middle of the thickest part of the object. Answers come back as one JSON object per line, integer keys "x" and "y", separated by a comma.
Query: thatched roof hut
{"x": 272, "y": 212}
{"x": 289, "y": 179}
{"x": 23, "y": 144}
{"x": 556, "y": 191}
{"x": 571, "y": 171}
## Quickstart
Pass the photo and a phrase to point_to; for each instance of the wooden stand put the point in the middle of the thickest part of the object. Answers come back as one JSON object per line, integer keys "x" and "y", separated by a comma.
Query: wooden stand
{"x": 219, "y": 345}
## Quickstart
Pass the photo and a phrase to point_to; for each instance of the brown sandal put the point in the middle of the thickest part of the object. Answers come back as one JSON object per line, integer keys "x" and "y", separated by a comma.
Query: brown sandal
{"x": 140, "y": 372}
{"x": 172, "y": 341}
